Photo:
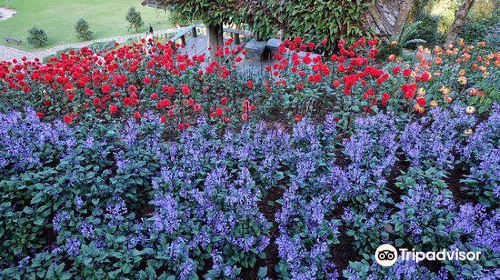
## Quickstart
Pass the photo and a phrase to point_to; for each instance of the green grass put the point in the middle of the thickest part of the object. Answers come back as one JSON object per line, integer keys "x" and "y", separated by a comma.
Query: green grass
{"x": 58, "y": 17}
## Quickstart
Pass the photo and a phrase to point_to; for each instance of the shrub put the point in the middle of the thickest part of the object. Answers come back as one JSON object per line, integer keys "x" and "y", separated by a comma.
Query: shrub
{"x": 134, "y": 19}
{"x": 428, "y": 30}
{"x": 82, "y": 30}
{"x": 37, "y": 37}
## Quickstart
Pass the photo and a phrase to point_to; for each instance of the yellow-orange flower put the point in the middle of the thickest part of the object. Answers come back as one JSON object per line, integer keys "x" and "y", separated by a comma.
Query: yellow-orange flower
{"x": 438, "y": 50}
{"x": 445, "y": 90}
{"x": 462, "y": 80}
{"x": 438, "y": 60}
{"x": 418, "y": 108}
{"x": 470, "y": 109}
{"x": 468, "y": 131}
{"x": 461, "y": 42}
{"x": 434, "y": 103}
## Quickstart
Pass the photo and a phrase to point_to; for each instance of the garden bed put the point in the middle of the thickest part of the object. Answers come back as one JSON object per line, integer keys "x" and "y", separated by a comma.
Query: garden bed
{"x": 143, "y": 163}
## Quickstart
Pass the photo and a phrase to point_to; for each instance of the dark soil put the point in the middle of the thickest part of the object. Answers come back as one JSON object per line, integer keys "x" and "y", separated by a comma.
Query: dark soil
{"x": 399, "y": 167}
{"x": 344, "y": 252}
{"x": 272, "y": 257}
{"x": 453, "y": 180}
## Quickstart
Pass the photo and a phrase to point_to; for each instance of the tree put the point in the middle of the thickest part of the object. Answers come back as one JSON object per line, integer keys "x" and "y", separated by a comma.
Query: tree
{"x": 404, "y": 9}
{"x": 134, "y": 18}
{"x": 213, "y": 13}
{"x": 37, "y": 37}
{"x": 82, "y": 30}
{"x": 459, "y": 21}
{"x": 313, "y": 20}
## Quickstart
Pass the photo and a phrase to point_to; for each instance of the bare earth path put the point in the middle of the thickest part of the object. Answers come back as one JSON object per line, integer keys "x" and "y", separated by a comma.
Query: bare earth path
{"x": 9, "y": 53}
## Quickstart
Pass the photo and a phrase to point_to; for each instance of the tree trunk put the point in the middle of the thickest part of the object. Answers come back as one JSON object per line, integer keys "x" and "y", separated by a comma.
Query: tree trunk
{"x": 404, "y": 9}
{"x": 215, "y": 38}
{"x": 459, "y": 21}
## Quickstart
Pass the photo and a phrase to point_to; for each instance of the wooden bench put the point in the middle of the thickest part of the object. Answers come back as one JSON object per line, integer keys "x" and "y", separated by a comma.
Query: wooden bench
{"x": 10, "y": 40}
{"x": 254, "y": 50}
{"x": 182, "y": 35}
{"x": 235, "y": 33}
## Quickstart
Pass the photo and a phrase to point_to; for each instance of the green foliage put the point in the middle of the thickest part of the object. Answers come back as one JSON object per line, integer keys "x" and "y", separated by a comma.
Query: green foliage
{"x": 408, "y": 39}
{"x": 208, "y": 11}
{"x": 315, "y": 20}
{"x": 82, "y": 30}
{"x": 37, "y": 37}
{"x": 478, "y": 30}
{"x": 428, "y": 30}
{"x": 134, "y": 18}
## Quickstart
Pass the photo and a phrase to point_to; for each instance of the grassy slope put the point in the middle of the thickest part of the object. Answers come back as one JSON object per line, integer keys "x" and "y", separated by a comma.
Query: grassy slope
{"x": 57, "y": 17}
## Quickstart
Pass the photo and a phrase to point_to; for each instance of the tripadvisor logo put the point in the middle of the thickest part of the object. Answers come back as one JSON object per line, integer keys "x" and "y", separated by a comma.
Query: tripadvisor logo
{"x": 387, "y": 255}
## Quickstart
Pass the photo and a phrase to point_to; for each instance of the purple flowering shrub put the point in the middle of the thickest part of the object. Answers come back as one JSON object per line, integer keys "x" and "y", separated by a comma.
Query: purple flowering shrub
{"x": 421, "y": 219}
{"x": 306, "y": 222}
{"x": 128, "y": 201}
{"x": 362, "y": 184}
{"x": 432, "y": 141}
{"x": 482, "y": 154}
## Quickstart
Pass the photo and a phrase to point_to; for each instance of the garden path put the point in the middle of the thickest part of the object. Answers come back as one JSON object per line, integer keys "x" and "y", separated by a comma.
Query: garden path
{"x": 9, "y": 53}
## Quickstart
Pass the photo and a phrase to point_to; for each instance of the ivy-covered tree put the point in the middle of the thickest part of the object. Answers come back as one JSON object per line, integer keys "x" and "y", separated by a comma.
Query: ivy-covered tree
{"x": 213, "y": 13}
{"x": 315, "y": 20}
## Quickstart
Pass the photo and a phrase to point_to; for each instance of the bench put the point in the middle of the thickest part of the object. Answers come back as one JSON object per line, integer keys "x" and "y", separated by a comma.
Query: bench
{"x": 235, "y": 33}
{"x": 254, "y": 50}
{"x": 193, "y": 29}
{"x": 272, "y": 47}
{"x": 182, "y": 35}
{"x": 10, "y": 40}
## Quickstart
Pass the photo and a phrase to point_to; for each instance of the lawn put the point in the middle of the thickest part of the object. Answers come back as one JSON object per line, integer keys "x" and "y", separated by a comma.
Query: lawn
{"x": 57, "y": 17}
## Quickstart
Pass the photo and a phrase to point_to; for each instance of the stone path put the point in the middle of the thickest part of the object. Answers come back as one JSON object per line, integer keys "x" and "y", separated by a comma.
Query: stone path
{"x": 9, "y": 53}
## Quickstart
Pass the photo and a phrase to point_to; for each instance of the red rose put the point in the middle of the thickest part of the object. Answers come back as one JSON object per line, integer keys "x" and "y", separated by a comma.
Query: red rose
{"x": 396, "y": 70}
{"x": 137, "y": 115}
{"x": 154, "y": 96}
{"x": 185, "y": 89}
{"x": 105, "y": 88}
{"x": 421, "y": 101}
{"x": 113, "y": 109}
{"x": 250, "y": 84}
{"x": 336, "y": 83}
{"x": 223, "y": 100}
{"x": 307, "y": 60}
{"x": 67, "y": 119}
{"x": 146, "y": 81}
{"x": 218, "y": 111}
{"x": 407, "y": 72}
